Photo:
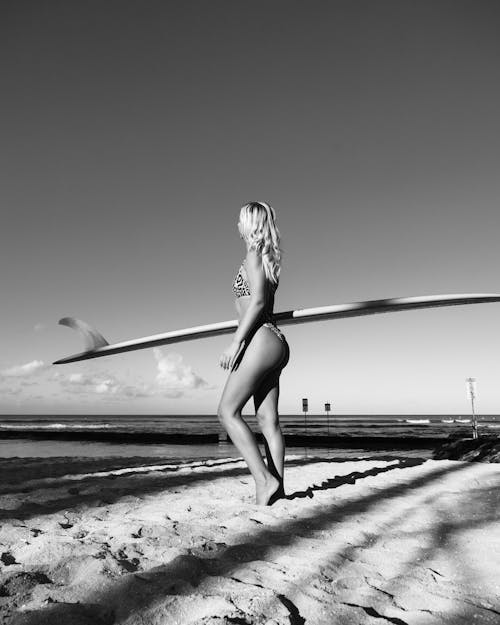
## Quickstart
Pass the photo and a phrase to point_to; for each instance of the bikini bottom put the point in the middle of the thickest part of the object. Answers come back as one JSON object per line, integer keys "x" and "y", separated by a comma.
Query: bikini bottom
{"x": 282, "y": 338}
{"x": 276, "y": 330}
{"x": 278, "y": 333}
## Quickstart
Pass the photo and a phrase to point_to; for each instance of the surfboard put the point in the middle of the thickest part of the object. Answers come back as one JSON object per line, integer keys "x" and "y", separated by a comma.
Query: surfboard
{"x": 96, "y": 345}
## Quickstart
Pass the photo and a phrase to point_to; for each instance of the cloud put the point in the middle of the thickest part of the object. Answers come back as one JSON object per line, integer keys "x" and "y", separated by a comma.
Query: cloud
{"x": 17, "y": 380}
{"x": 174, "y": 375}
{"x": 30, "y": 368}
{"x": 103, "y": 384}
{"x": 172, "y": 380}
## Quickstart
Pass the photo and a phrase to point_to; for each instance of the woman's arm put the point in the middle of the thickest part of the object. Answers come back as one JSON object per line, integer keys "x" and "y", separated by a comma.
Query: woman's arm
{"x": 257, "y": 283}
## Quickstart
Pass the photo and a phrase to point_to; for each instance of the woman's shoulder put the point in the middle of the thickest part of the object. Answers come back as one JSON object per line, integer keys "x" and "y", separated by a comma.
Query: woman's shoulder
{"x": 253, "y": 261}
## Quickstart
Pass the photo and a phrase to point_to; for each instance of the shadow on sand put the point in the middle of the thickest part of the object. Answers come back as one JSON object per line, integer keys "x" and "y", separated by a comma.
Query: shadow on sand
{"x": 130, "y": 595}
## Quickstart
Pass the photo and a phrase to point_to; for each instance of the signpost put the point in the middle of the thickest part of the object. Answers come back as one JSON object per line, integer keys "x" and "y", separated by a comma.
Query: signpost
{"x": 471, "y": 390}
{"x": 304, "y": 408}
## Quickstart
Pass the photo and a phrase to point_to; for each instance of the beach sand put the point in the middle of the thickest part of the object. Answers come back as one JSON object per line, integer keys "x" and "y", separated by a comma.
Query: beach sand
{"x": 357, "y": 541}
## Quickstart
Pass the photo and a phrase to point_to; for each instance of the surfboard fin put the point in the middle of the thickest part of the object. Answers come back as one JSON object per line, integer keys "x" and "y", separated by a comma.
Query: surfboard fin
{"x": 92, "y": 338}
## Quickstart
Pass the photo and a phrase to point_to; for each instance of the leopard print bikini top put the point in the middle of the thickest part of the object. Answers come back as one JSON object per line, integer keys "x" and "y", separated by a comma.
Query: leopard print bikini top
{"x": 240, "y": 284}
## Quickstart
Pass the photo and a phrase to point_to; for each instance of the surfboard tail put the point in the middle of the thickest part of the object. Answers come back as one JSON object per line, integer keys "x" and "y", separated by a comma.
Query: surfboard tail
{"x": 92, "y": 338}
{"x": 97, "y": 345}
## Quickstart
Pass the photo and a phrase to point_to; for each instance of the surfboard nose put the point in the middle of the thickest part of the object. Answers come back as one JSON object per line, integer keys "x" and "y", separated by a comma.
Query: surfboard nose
{"x": 92, "y": 338}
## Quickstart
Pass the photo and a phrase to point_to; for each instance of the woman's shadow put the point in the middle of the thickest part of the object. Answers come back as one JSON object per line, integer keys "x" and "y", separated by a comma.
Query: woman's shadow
{"x": 351, "y": 478}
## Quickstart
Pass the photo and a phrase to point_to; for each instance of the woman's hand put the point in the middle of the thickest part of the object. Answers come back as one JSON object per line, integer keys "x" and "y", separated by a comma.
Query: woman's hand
{"x": 228, "y": 357}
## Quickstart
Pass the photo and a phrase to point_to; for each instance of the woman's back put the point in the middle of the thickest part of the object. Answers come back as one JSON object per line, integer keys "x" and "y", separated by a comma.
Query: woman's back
{"x": 242, "y": 292}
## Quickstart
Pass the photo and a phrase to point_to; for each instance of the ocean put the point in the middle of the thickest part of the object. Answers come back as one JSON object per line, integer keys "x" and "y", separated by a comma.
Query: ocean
{"x": 43, "y": 436}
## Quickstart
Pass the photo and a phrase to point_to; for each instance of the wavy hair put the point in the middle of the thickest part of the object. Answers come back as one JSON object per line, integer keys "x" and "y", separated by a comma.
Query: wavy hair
{"x": 258, "y": 227}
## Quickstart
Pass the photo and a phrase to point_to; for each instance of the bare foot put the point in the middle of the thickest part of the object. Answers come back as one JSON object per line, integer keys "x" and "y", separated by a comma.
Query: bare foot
{"x": 266, "y": 491}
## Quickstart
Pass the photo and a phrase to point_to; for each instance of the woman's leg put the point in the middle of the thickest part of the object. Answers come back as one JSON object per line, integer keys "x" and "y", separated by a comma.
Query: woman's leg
{"x": 263, "y": 353}
{"x": 266, "y": 410}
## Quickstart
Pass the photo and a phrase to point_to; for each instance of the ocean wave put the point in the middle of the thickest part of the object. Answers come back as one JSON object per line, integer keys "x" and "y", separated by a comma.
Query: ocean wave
{"x": 57, "y": 426}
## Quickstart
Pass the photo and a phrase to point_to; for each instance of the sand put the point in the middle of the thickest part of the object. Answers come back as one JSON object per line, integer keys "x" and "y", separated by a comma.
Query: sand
{"x": 376, "y": 540}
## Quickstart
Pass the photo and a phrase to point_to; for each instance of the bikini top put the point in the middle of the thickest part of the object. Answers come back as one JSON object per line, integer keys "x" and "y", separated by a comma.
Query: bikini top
{"x": 240, "y": 284}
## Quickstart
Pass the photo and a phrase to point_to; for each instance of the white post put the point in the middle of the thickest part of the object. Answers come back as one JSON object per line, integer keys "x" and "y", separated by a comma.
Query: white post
{"x": 471, "y": 389}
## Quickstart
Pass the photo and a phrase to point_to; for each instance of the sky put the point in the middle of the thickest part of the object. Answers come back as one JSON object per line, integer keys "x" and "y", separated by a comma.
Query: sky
{"x": 133, "y": 132}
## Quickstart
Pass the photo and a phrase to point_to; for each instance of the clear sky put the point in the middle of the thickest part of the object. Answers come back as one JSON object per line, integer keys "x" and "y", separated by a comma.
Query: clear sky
{"x": 133, "y": 131}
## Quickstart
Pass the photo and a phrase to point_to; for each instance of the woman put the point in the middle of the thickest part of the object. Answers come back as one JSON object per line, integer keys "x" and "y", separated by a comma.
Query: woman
{"x": 257, "y": 354}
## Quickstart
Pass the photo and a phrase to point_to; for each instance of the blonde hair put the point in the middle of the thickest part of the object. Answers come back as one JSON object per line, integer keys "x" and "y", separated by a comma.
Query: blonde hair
{"x": 258, "y": 227}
